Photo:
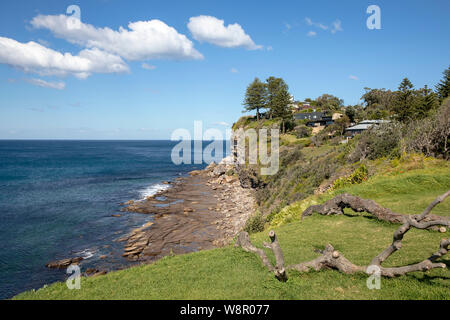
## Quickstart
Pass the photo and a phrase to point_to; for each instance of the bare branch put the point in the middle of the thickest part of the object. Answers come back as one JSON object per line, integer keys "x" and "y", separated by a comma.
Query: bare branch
{"x": 332, "y": 259}
{"x": 243, "y": 241}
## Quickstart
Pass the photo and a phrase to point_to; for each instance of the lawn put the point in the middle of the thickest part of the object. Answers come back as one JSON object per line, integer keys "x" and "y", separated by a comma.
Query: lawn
{"x": 231, "y": 273}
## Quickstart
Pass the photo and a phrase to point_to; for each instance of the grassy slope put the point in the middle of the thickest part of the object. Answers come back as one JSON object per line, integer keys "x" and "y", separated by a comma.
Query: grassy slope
{"x": 230, "y": 273}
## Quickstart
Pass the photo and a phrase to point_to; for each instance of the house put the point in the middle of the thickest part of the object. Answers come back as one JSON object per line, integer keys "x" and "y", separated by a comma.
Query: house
{"x": 316, "y": 119}
{"x": 363, "y": 125}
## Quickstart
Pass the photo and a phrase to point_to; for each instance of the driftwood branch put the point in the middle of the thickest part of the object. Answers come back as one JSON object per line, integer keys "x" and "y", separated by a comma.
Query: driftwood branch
{"x": 280, "y": 272}
{"x": 332, "y": 259}
{"x": 357, "y": 204}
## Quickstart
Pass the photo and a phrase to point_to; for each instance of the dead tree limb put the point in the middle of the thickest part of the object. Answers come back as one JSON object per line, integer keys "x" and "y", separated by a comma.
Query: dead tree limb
{"x": 357, "y": 204}
{"x": 280, "y": 272}
{"x": 243, "y": 241}
{"x": 332, "y": 259}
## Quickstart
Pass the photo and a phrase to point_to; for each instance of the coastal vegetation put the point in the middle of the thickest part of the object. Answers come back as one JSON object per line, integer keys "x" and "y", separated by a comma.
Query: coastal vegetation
{"x": 402, "y": 165}
{"x": 231, "y": 273}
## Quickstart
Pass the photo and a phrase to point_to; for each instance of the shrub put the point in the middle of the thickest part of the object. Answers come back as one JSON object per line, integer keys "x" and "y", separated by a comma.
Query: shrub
{"x": 302, "y": 131}
{"x": 378, "y": 141}
{"x": 358, "y": 176}
{"x": 255, "y": 223}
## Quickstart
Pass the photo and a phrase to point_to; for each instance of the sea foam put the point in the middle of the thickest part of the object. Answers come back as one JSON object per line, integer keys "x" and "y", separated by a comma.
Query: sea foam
{"x": 152, "y": 190}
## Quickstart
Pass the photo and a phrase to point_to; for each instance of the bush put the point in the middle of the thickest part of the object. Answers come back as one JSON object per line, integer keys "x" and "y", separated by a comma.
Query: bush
{"x": 302, "y": 131}
{"x": 255, "y": 223}
{"x": 358, "y": 176}
{"x": 430, "y": 135}
{"x": 378, "y": 141}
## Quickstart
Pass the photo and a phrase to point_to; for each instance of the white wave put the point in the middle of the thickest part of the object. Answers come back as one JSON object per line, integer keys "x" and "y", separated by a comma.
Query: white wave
{"x": 86, "y": 254}
{"x": 153, "y": 189}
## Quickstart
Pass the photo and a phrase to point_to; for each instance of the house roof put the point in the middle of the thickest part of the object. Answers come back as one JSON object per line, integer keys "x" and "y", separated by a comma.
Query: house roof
{"x": 373, "y": 121}
{"x": 360, "y": 126}
{"x": 366, "y": 124}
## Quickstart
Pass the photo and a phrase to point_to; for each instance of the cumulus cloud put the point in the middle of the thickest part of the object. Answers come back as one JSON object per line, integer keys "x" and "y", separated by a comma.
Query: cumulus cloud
{"x": 58, "y": 85}
{"x": 311, "y": 34}
{"x": 352, "y": 77}
{"x": 143, "y": 40}
{"x": 147, "y": 66}
{"x": 212, "y": 30}
{"x": 33, "y": 57}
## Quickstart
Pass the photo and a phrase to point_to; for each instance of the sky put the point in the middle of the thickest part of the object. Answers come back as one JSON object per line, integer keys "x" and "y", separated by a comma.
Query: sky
{"x": 142, "y": 69}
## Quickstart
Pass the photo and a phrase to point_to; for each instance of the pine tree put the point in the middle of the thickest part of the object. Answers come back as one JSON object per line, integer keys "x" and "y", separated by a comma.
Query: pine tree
{"x": 427, "y": 102}
{"x": 403, "y": 106}
{"x": 274, "y": 87}
{"x": 255, "y": 97}
{"x": 443, "y": 87}
{"x": 280, "y": 108}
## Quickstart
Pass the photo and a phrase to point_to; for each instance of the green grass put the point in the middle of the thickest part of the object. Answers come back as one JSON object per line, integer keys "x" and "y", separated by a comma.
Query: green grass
{"x": 231, "y": 273}
{"x": 404, "y": 190}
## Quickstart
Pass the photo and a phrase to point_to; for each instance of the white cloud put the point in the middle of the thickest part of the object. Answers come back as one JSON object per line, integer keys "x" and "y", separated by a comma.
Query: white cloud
{"x": 221, "y": 123}
{"x": 269, "y": 48}
{"x": 58, "y": 85}
{"x": 147, "y": 66}
{"x": 35, "y": 58}
{"x": 234, "y": 70}
{"x": 143, "y": 40}
{"x": 352, "y": 77}
{"x": 212, "y": 30}
{"x": 337, "y": 26}
{"x": 309, "y": 22}
{"x": 311, "y": 34}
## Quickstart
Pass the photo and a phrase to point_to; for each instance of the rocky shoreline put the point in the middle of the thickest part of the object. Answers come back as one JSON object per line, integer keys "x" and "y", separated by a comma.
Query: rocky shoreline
{"x": 201, "y": 211}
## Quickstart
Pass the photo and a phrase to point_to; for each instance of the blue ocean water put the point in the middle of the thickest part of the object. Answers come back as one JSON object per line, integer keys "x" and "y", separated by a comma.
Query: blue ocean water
{"x": 57, "y": 199}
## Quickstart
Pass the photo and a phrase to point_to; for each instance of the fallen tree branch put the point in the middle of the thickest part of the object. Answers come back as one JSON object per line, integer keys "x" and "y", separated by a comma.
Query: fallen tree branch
{"x": 280, "y": 272}
{"x": 243, "y": 241}
{"x": 357, "y": 204}
{"x": 332, "y": 259}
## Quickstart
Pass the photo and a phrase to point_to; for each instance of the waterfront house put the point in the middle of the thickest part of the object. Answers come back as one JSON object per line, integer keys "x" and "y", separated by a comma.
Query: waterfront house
{"x": 363, "y": 126}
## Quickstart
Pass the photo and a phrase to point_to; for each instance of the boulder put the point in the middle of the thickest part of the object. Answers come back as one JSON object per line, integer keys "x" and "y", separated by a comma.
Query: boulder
{"x": 64, "y": 263}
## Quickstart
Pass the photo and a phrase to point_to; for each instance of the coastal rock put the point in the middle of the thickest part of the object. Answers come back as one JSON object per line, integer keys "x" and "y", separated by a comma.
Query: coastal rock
{"x": 195, "y": 172}
{"x": 64, "y": 263}
{"x": 210, "y": 167}
{"x": 248, "y": 178}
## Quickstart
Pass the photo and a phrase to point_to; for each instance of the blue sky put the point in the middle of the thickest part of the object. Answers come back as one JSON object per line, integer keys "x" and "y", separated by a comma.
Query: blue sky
{"x": 316, "y": 46}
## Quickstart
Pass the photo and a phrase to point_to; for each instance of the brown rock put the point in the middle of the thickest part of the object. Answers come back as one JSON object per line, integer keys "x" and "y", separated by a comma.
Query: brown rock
{"x": 64, "y": 263}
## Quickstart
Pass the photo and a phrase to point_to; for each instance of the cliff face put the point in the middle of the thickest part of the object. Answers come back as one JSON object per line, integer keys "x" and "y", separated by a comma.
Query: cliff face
{"x": 247, "y": 174}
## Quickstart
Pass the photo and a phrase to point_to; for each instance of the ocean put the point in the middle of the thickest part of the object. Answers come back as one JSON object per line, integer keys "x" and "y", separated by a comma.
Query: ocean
{"x": 57, "y": 199}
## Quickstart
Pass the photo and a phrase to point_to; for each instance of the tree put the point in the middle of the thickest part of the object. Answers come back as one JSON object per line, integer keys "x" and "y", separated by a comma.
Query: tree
{"x": 255, "y": 97}
{"x": 350, "y": 112}
{"x": 403, "y": 106}
{"x": 328, "y": 102}
{"x": 426, "y": 102}
{"x": 378, "y": 103}
{"x": 274, "y": 87}
{"x": 282, "y": 101}
{"x": 443, "y": 87}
